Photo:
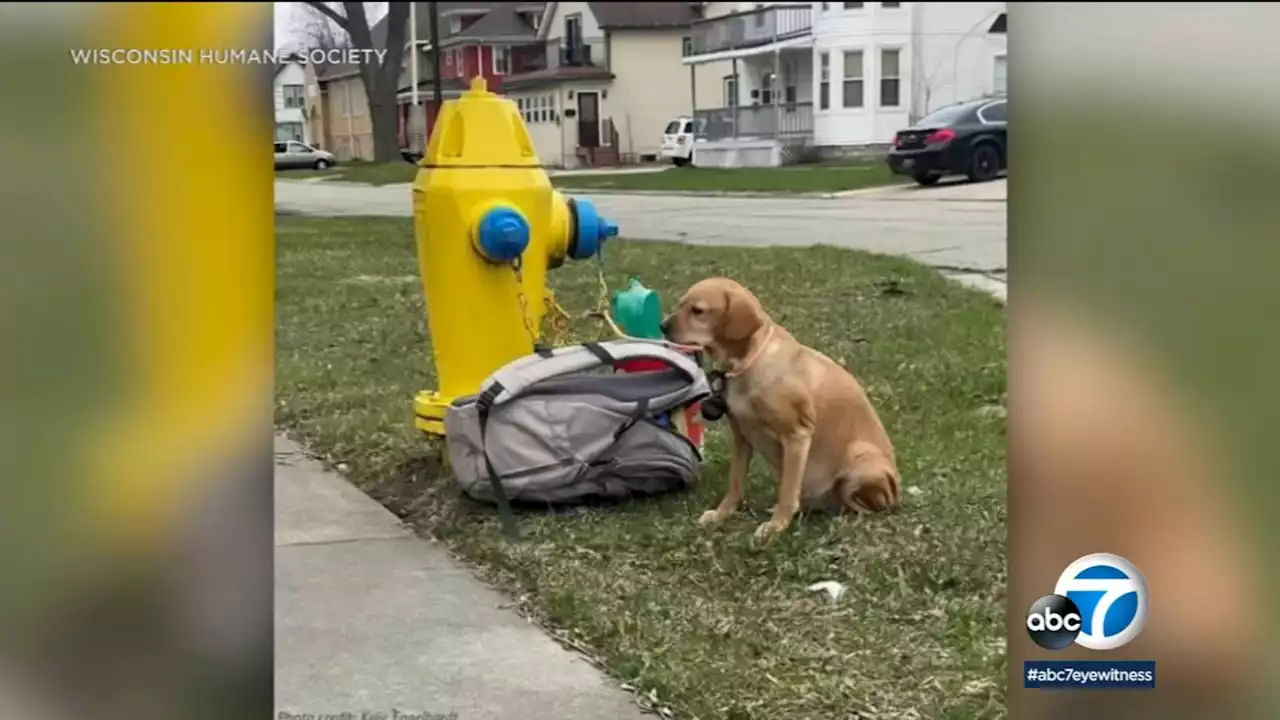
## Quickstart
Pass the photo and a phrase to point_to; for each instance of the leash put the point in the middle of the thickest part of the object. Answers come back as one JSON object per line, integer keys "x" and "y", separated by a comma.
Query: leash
{"x": 602, "y": 311}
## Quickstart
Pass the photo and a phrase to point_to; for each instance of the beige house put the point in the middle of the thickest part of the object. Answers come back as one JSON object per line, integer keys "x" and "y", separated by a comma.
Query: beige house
{"x": 338, "y": 110}
{"x": 612, "y": 80}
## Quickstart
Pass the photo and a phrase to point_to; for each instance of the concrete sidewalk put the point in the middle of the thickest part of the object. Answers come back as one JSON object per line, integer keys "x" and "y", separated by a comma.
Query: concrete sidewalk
{"x": 371, "y": 619}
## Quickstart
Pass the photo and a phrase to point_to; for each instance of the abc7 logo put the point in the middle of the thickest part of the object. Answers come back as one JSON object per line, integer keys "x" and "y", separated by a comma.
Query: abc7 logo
{"x": 1053, "y": 622}
{"x": 1115, "y": 606}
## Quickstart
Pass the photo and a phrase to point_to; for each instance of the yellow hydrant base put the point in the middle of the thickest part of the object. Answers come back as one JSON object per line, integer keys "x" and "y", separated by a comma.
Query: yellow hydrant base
{"x": 429, "y": 408}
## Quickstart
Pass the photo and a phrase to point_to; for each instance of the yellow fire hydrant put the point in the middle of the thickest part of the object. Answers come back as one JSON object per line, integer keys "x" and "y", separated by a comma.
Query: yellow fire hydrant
{"x": 489, "y": 225}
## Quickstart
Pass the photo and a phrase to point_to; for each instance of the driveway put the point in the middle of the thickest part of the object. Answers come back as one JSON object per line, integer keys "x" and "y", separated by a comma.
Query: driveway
{"x": 959, "y": 228}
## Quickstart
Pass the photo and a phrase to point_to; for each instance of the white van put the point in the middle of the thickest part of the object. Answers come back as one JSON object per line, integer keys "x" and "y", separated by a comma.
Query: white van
{"x": 678, "y": 138}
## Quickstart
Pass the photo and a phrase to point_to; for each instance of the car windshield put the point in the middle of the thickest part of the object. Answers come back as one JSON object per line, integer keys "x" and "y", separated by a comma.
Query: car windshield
{"x": 673, "y": 127}
{"x": 945, "y": 116}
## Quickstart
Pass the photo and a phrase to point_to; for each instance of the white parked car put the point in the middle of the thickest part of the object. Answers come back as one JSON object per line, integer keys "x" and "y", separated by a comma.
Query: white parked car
{"x": 293, "y": 154}
{"x": 678, "y": 139}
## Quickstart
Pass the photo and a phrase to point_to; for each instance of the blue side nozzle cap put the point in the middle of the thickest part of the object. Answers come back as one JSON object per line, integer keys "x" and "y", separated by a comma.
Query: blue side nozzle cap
{"x": 592, "y": 230}
{"x": 502, "y": 235}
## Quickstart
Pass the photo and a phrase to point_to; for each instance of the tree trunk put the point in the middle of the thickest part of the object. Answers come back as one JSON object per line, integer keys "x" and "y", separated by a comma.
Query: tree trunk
{"x": 382, "y": 112}
{"x": 381, "y": 81}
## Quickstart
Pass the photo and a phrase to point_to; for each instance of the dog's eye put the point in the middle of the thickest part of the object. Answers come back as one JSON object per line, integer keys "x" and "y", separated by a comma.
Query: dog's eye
{"x": 696, "y": 310}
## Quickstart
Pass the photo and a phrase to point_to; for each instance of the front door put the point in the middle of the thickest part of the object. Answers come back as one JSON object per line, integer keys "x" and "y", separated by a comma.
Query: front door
{"x": 588, "y": 120}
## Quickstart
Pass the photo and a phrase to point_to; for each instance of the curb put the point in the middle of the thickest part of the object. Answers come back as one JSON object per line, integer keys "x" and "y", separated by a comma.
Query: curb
{"x": 696, "y": 193}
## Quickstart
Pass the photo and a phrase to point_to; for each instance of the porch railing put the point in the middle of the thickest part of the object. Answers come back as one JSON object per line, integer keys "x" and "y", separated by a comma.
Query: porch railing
{"x": 752, "y": 28}
{"x": 756, "y": 121}
{"x": 557, "y": 53}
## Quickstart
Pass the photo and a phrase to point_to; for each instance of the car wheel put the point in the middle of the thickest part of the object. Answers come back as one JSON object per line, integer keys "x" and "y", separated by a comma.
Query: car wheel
{"x": 680, "y": 162}
{"x": 928, "y": 180}
{"x": 322, "y": 164}
{"x": 984, "y": 163}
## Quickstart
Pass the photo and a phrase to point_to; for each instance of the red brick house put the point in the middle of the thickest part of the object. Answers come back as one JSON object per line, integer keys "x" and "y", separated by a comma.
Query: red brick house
{"x": 489, "y": 39}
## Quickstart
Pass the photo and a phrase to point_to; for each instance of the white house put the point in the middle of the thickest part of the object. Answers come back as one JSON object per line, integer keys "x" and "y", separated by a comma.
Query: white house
{"x": 836, "y": 76}
{"x": 290, "y": 101}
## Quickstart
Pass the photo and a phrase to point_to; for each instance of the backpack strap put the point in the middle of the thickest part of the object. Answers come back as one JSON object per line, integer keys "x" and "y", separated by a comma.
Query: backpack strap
{"x": 506, "y": 517}
{"x": 514, "y": 378}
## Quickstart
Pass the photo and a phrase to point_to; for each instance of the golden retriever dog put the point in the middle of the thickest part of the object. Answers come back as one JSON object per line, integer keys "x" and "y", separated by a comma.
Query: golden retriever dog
{"x": 808, "y": 417}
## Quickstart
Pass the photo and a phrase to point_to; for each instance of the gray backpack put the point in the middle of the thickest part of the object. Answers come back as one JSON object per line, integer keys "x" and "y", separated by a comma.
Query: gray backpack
{"x": 550, "y": 428}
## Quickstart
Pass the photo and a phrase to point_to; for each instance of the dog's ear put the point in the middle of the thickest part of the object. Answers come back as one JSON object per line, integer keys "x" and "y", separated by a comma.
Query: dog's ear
{"x": 742, "y": 316}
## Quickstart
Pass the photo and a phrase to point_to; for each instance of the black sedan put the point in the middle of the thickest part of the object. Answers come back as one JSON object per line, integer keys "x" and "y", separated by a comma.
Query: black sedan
{"x": 964, "y": 139}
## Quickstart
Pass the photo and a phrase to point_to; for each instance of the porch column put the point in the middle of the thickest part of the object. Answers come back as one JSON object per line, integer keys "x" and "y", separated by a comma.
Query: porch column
{"x": 777, "y": 106}
{"x": 693, "y": 90}
{"x": 737, "y": 93}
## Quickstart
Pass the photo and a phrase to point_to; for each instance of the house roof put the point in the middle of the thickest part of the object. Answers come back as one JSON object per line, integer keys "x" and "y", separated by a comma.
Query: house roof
{"x": 501, "y": 23}
{"x": 446, "y": 84}
{"x": 639, "y": 15}
{"x": 555, "y": 75}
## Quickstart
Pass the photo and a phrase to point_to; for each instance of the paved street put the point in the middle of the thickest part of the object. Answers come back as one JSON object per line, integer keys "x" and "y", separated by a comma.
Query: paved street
{"x": 959, "y": 228}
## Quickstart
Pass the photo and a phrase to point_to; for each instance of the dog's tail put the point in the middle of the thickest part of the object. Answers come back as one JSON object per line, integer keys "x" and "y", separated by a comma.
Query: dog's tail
{"x": 871, "y": 484}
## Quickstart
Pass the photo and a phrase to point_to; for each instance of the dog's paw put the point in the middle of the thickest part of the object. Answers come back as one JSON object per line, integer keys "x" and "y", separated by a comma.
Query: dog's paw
{"x": 767, "y": 531}
{"x": 711, "y": 518}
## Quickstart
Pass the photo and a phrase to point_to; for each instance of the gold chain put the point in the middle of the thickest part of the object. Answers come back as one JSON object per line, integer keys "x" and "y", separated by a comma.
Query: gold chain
{"x": 524, "y": 302}
{"x": 559, "y": 319}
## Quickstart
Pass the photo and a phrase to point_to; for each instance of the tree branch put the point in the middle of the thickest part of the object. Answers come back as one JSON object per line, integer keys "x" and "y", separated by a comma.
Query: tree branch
{"x": 324, "y": 9}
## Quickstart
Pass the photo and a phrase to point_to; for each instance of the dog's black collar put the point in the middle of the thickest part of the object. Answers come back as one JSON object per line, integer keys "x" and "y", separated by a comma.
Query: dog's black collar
{"x": 715, "y": 407}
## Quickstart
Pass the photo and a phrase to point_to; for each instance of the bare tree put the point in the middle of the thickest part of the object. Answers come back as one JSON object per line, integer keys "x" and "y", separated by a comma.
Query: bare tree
{"x": 319, "y": 32}
{"x": 381, "y": 80}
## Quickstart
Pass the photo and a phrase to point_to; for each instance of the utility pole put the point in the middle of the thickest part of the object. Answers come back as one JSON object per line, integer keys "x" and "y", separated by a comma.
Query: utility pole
{"x": 413, "y": 53}
{"x": 435, "y": 58}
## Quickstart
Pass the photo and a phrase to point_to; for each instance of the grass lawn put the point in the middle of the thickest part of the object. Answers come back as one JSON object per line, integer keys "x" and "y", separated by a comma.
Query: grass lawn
{"x": 790, "y": 179}
{"x": 360, "y": 172}
{"x": 711, "y": 625}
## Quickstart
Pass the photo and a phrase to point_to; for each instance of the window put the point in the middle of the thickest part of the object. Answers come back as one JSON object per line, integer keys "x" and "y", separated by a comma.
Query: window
{"x": 279, "y": 146}
{"x": 759, "y": 19}
{"x": 1000, "y": 75}
{"x": 686, "y": 46}
{"x": 455, "y": 25}
{"x": 853, "y": 6}
{"x": 994, "y": 113}
{"x": 298, "y": 147}
{"x": 890, "y": 79}
{"x": 544, "y": 112}
{"x": 853, "y": 86}
{"x": 501, "y": 60}
{"x": 945, "y": 116}
{"x": 293, "y": 97}
{"x": 824, "y": 81}
{"x": 673, "y": 127}
{"x": 535, "y": 19}
{"x": 730, "y": 91}
{"x": 766, "y": 89}
{"x": 688, "y": 127}
{"x": 573, "y": 30}
{"x": 891, "y": 5}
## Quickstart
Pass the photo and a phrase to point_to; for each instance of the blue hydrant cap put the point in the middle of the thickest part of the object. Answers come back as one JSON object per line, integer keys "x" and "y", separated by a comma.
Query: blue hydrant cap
{"x": 502, "y": 235}
{"x": 592, "y": 230}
